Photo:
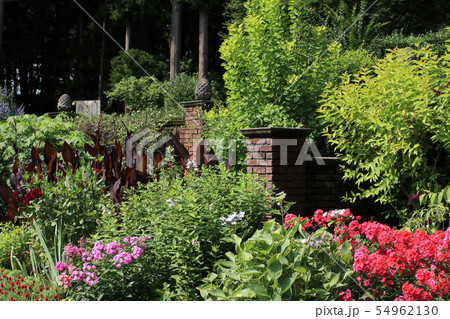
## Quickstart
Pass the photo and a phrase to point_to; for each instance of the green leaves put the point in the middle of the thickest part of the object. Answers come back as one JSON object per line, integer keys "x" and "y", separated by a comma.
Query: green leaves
{"x": 298, "y": 270}
{"x": 387, "y": 124}
{"x": 264, "y": 59}
{"x": 189, "y": 240}
{"x": 274, "y": 269}
{"x": 30, "y": 130}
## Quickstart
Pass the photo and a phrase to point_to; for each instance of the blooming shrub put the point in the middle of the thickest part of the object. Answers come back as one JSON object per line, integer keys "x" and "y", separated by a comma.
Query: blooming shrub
{"x": 397, "y": 264}
{"x": 390, "y": 264}
{"x": 82, "y": 271}
{"x": 188, "y": 217}
{"x": 7, "y": 105}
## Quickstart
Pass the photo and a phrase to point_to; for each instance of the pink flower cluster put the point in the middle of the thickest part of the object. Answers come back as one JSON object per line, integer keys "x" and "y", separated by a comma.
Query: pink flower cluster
{"x": 121, "y": 254}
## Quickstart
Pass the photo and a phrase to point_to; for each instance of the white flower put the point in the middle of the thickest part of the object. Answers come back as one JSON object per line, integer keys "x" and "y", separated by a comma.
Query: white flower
{"x": 191, "y": 164}
{"x": 232, "y": 219}
{"x": 195, "y": 242}
{"x": 170, "y": 202}
{"x": 336, "y": 212}
{"x": 315, "y": 242}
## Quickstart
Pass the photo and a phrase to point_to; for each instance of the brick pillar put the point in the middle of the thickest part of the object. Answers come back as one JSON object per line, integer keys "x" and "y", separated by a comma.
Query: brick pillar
{"x": 191, "y": 134}
{"x": 273, "y": 154}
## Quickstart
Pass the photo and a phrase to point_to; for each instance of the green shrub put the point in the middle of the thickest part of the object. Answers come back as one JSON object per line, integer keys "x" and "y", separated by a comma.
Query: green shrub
{"x": 218, "y": 118}
{"x": 183, "y": 217}
{"x": 123, "y": 67}
{"x": 139, "y": 93}
{"x": 13, "y": 239}
{"x": 381, "y": 46}
{"x": 430, "y": 211}
{"x": 276, "y": 65}
{"x": 74, "y": 201}
{"x": 162, "y": 98}
{"x": 391, "y": 127}
{"x": 30, "y": 130}
{"x": 180, "y": 89}
{"x": 352, "y": 61}
{"x": 274, "y": 264}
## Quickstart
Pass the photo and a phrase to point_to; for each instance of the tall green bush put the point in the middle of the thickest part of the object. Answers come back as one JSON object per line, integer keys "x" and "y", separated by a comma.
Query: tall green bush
{"x": 276, "y": 65}
{"x": 139, "y": 93}
{"x": 122, "y": 66}
{"x": 74, "y": 201}
{"x": 391, "y": 126}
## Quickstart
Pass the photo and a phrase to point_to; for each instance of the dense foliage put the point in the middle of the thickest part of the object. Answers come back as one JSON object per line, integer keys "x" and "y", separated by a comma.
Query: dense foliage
{"x": 391, "y": 127}
{"x": 183, "y": 217}
{"x": 276, "y": 67}
{"x": 358, "y": 261}
{"x": 272, "y": 78}
{"x": 73, "y": 202}
{"x": 279, "y": 264}
{"x": 30, "y": 130}
{"x": 136, "y": 63}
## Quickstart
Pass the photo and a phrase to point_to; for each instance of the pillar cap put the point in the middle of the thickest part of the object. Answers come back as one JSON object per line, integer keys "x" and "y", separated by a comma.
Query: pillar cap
{"x": 277, "y": 132}
{"x": 202, "y": 103}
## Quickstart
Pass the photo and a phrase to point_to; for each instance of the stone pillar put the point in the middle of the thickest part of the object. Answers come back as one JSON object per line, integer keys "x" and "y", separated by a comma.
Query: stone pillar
{"x": 191, "y": 134}
{"x": 273, "y": 154}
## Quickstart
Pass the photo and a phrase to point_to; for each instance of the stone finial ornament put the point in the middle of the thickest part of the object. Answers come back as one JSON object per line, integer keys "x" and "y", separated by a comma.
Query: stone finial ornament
{"x": 64, "y": 103}
{"x": 409, "y": 54}
{"x": 203, "y": 90}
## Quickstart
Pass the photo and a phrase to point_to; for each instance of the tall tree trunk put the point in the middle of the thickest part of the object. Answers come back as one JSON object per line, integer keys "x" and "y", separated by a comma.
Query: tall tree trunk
{"x": 203, "y": 44}
{"x": 101, "y": 76}
{"x": 128, "y": 35}
{"x": 2, "y": 15}
{"x": 80, "y": 58}
{"x": 175, "y": 40}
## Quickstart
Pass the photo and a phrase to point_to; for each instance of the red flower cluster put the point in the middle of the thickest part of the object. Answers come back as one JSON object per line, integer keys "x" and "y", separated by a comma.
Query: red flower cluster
{"x": 35, "y": 193}
{"x": 320, "y": 219}
{"x": 290, "y": 219}
{"x": 385, "y": 257}
{"x": 345, "y": 296}
{"x": 13, "y": 289}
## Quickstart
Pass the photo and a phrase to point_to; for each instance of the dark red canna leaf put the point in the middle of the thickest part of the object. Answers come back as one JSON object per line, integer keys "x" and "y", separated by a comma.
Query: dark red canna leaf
{"x": 68, "y": 155}
{"x": 48, "y": 152}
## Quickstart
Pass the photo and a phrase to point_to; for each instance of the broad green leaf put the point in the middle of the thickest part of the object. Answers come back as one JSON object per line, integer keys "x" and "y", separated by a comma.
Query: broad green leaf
{"x": 301, "y": 270}
{"x": 257, "y": 288}
{"x": 288, "y": 282}
{"x": 274, "y": 269}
